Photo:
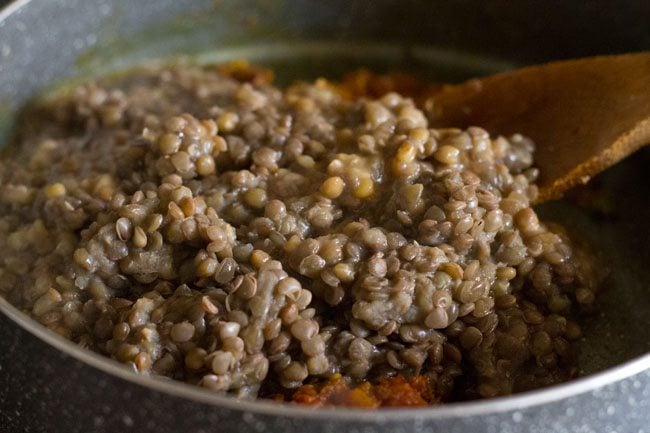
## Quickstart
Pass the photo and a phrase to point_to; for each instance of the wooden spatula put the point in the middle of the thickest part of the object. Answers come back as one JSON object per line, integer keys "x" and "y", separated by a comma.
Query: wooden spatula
{"x": 584, "y": 115}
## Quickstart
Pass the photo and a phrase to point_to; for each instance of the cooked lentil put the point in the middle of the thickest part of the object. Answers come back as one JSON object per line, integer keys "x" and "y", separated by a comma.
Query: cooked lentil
{"x": 248, "y": 240}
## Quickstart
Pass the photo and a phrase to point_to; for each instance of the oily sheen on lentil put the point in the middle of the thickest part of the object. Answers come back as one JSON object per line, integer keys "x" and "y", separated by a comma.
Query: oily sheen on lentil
{"x": 252, "y": 240}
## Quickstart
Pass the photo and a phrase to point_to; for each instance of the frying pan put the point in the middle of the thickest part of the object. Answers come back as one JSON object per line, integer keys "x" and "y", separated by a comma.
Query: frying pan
{"x": 48, "y": 384}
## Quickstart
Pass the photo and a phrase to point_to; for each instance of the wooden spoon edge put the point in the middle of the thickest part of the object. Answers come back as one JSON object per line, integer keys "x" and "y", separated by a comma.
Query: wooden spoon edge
{"x": 623, "y": 146}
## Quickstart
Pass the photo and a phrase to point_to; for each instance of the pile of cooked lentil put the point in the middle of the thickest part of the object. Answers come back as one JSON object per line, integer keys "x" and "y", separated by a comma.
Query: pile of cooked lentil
{"x": 220, "y": 231}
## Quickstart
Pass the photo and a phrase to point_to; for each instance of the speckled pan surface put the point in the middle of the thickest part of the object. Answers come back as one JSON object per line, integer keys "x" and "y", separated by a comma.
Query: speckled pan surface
{"x": 48, "y": 385}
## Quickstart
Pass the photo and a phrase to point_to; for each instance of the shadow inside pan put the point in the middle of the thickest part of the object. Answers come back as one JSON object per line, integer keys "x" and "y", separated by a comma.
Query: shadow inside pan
{"x": 612, "y": 215}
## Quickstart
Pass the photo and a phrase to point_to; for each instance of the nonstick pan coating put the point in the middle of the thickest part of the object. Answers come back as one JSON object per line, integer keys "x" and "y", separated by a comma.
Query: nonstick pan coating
{"x": 48, "y": 385}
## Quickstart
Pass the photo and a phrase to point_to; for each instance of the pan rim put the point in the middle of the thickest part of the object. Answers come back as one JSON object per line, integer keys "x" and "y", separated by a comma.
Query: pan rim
{"x": 11, "y": 7}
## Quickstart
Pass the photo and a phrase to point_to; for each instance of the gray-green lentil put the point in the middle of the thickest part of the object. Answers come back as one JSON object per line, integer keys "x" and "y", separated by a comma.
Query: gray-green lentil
{"x": 231, "y": 237}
